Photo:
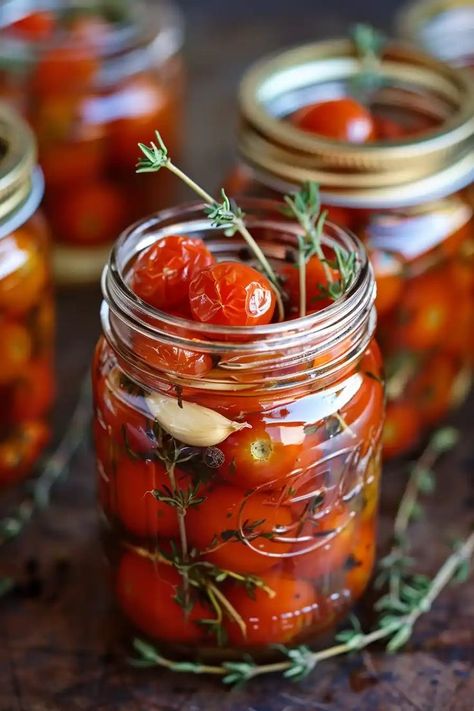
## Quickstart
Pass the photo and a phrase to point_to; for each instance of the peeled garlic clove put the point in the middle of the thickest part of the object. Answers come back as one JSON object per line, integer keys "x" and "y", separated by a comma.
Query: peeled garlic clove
{"x": 191, "y": 424}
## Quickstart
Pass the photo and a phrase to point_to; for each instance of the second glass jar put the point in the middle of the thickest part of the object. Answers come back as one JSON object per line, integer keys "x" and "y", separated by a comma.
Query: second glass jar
{"x": 403, "y": 192}
{"x": 238, "y": 467}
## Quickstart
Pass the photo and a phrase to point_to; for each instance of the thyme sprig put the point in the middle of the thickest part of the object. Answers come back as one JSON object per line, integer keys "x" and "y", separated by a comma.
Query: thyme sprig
{"x": 224, "y": 214}
{"x": 369, "y": 43}
{"x": 300, "y": 661}
{"x": 305, "y": 206}
{"x": 414, "y": 597}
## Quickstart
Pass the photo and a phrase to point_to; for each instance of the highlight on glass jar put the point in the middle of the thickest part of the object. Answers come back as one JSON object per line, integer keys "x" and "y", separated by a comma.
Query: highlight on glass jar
{"x": 445, "y": 28}
{"x": 387, "y": 132}
{"x": 238, "y": 449}
{"x": 93, "y": 78}
{"x": 26, "y": 305}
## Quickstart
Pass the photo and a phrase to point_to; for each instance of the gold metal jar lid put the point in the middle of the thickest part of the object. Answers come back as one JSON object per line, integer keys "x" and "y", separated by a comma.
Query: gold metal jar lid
{"x": 374, "y": 174}
{"x": 17, "y": 162}
{"x": 445, "y": 28}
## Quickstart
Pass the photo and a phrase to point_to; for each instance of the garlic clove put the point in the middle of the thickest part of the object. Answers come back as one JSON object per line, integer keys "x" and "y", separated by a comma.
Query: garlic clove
{"x": 192, "y": 424}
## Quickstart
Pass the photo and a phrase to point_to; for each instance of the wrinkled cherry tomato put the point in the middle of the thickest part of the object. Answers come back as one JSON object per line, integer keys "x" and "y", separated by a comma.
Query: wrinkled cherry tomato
{"x": 162, "y": 273}
{"x": 172, "y": 358}
{"x": 316, "y": 283}
{"x": 273, "y": 619}
{"x": 267, "y": 452}
{"x": 342, "y": 119}
{"x": 401, "y": 429}
{"x": 136, "y": 507}
{"x": 146, "y": 593}
{"x": 231, "y": 294}
{"x": 89, "y": 215}
{"x": 218, "y": 525}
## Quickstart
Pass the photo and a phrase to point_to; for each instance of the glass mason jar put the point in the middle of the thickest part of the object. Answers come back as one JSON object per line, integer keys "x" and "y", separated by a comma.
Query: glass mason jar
{"x": 405, "y": 197}
{"x": 444, "y": 28}
{"x": 238, "y": 467}
{"x": 26, "y": 305}
{"x": 94, "y": 78}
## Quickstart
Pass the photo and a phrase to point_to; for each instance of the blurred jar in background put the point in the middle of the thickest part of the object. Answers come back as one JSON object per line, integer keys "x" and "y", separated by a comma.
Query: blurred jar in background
{"x": 26, "y": 305}
{"x": 444, "y": 28}
{"x": 94, "y": 78}
{"x": 399, "y": 182}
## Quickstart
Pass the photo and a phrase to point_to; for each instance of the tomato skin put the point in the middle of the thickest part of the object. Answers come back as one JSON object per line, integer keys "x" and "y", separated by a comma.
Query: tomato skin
{"x": 226, "y": 509}
{"x": 273, "y": 620}
{"x": 92, "y": 214}
{"x": 145, "y": 593}
{"x": 171, "y": 358}
{"x": 431, "y": 388}
{"x": 424, "y": 313}
{"x": 231, "y": 294}
{"x": 362, "y": 558}
{"x": 388, "y": 271}
{"x": 315, "y": 280}
{"x": 401, "y": 429}
{"x": 68, "y": 165}
{"x": 20, "y": 451}
{"x": 34, "y": 393}
{"x": 20, "y": 288}
{"x": 65, "y": 69}
{"x": 136, "y": 507}
{"x": 162, "y": 273}
{"x": 35, "y": 26}
{"x": 341, "y": 119}
{"x": 259, "y": 455}
{"x": 15, "y": 351}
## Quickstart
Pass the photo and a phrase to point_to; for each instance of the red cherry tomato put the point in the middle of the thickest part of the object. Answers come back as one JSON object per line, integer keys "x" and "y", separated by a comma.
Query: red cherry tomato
{"x": 34, "y": 392}
{"x": 216, "y": 525}
{"x": 231, "y": 294}
{"x": 266, "y": 453}
{"x": 20, "y": 451}
{"x": 35, "y": 26}
{"x": 316, "y": 282}
{"x": 136, "y": 507}
{"x": 68, "y": 70}
{"x": 15, "y": 351}
{"x": 342, "y": 119}
{"x": 432, "y": 388}
{"x": 342, "y": 216}
{"x": 172, "y": 358}
{"x": 361, "y": 562}
{"x": 332, "y": 535}
{"x": 276, "y": 619}
{"x": 24, "y": 273}
{"x": 401, "y": 429}
{"x": 146, "y": 594}
{"x": 71, "y": 164}
{"x": 387, "y": 129}
{"x": 162, "y": 273}
{"x": 90, "y": 215}
{"x": 388, "y": 271}
{"x": 424, "y": 313}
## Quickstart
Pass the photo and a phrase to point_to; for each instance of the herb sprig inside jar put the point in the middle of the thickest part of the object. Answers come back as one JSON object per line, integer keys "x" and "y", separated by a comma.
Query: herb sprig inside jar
{"x": 238, "y": 415}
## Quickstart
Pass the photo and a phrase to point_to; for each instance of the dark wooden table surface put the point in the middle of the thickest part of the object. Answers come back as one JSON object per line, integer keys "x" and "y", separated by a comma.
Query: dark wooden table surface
{"x": 59, "y": 647}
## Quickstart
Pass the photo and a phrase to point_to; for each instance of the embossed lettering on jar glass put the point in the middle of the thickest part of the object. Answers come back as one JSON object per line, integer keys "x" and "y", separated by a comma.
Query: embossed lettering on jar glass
{"x": 404, "y": 192}
{"x": 238, "y": 467}
{"x": 94, "y": 78}
{"x": 26, "y": 305}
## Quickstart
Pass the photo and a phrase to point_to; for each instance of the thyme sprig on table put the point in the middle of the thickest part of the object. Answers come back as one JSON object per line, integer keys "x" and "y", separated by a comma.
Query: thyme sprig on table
{"x": 224, "y": 214}
{"x": 415, "y": 596}
{"x": 305, "y": 206}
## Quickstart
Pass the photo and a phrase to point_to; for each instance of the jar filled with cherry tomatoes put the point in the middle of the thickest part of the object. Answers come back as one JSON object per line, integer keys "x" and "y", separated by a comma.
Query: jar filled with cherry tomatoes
{"x": 238, "y": 450}
{"x": 93, "y": 78}
{"x": 444, "y": 28}
{"x": 26, "y": 306}
{"x": 390, "y": 142}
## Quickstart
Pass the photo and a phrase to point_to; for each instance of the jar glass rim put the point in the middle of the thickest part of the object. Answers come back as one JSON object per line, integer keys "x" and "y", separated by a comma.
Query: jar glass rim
{"x": 176, "y": 220}
{"x": 153, "y": 22}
